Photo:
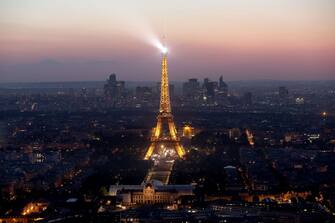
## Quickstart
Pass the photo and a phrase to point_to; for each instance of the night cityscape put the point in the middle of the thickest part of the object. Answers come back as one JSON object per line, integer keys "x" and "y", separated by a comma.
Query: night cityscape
{"x": 130, "y": 132}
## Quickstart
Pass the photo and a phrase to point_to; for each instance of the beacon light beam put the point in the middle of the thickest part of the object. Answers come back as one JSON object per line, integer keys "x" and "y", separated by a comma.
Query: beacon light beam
{"x": 160, "y": 46}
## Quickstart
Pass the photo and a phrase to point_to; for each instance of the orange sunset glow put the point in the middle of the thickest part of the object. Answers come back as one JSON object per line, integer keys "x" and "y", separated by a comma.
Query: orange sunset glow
{"x": 84, "y": 41}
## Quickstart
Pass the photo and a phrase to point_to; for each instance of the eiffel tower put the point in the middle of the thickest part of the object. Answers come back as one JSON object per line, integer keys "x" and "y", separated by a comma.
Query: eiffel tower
{"x": 164, "y": 135}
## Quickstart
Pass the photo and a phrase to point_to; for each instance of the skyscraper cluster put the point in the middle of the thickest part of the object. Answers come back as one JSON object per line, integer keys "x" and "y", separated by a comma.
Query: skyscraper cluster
{"x": 113, "y": 89}
{"x": 209, "y": 92}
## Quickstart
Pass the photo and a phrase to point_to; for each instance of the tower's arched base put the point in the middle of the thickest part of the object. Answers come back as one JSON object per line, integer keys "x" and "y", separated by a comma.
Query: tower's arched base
{"x": 164, "y": 136}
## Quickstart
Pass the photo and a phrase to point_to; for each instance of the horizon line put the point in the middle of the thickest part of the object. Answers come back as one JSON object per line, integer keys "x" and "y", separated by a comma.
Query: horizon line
{"x": 86, "y": 81}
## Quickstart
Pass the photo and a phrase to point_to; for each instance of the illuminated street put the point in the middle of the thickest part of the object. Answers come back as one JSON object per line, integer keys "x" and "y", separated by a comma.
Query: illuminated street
{"x": 161, "y": 171}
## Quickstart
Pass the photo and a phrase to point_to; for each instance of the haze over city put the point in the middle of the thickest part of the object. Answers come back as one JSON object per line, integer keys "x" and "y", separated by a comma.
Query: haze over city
{"x": 167, "y": 111}
{"x": 43, "y": 41}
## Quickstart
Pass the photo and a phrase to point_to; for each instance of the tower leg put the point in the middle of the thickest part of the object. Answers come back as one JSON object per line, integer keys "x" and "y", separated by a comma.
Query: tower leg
{"x": 150, "y": 151}
{"x": 180, "y": 150}
{"x": 173, "y": 133}
{"x": 172, "y": 129}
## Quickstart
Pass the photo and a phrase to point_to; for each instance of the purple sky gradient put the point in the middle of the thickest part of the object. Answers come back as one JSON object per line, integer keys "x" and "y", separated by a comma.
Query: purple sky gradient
{"x": 87, "y": 40}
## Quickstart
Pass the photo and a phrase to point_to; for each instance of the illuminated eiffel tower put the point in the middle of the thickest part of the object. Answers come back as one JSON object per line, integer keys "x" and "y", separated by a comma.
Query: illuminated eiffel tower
{"x": 164, "y": 135}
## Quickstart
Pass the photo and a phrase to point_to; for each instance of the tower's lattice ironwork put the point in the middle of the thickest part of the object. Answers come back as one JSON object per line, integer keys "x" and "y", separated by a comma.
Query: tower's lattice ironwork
{"x": 164, "y": 135}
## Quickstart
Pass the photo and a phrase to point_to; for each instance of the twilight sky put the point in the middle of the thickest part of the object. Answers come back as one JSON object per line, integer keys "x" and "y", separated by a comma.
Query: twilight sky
{"x": 62, "y": 40}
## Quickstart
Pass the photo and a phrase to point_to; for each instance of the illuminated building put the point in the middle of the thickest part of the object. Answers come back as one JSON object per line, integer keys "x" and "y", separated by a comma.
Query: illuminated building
{"x": 250, "y": 137}
{"x": 188, "y": 131}
{"x": 153, "y": 192}
{"x": 17, "y": 219}
{"x": 37, "y": 157}
{"x": 299, "y": 100}
{"x": 35, "y": 207}
{"x": 164, "y": 135}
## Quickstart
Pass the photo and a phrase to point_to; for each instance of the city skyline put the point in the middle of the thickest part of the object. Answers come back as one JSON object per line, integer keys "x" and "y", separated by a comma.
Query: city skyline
{"x": 167, "y": 111}
{"x": 254, "y": 40}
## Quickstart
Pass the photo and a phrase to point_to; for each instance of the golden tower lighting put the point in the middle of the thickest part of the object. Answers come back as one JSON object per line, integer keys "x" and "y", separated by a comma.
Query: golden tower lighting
{"x": 165, "y": 132}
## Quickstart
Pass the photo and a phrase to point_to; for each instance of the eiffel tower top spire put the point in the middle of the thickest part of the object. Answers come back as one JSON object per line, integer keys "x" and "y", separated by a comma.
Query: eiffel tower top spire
{"x": 165, "y": 104}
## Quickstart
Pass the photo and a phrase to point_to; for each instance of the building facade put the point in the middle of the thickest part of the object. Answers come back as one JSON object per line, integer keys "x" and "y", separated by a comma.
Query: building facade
{"x": 153, "y": 192}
